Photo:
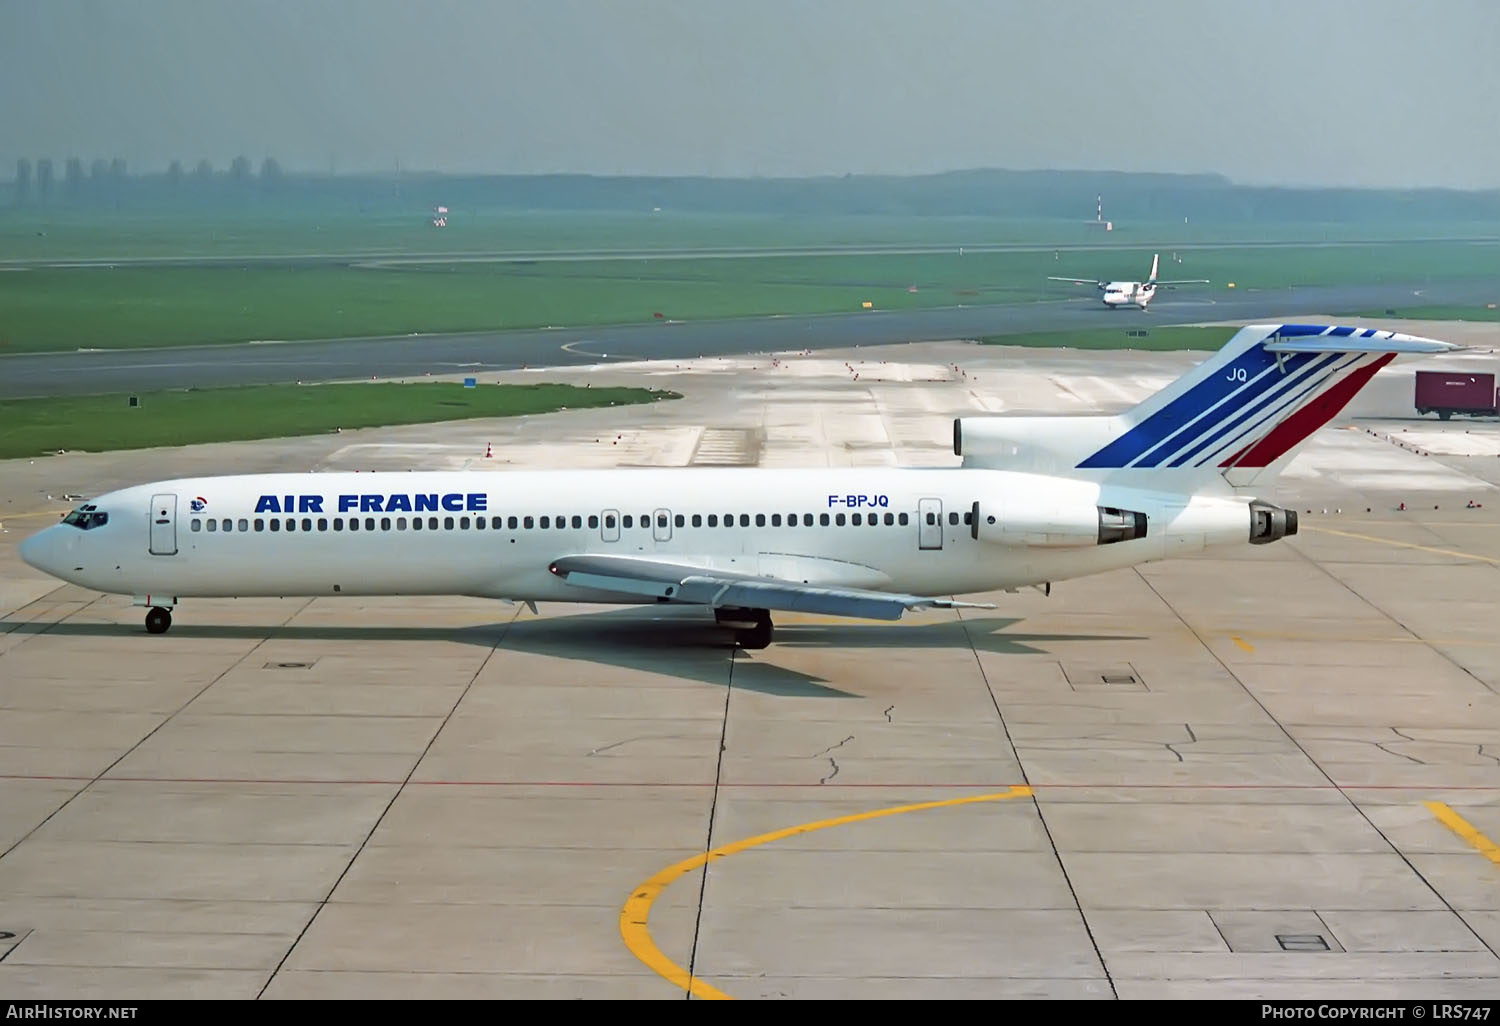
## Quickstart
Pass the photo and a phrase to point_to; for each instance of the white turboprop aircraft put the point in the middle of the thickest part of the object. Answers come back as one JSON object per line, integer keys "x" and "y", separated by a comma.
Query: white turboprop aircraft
{"x": 1037, "y": 499}
{"x": 1126, "y": 293}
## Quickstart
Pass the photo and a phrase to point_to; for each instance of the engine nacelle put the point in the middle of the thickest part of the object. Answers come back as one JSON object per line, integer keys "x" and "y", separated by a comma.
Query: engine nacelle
{"x": 1268, "y": 522}
{"x": 1054, "y": 525}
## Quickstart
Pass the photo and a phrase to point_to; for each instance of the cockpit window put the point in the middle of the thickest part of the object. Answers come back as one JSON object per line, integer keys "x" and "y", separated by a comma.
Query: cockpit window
{"x": 86, "y": 518}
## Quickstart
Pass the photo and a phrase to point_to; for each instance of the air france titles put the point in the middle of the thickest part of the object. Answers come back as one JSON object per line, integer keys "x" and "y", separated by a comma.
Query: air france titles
{"x": 396, "y": 502}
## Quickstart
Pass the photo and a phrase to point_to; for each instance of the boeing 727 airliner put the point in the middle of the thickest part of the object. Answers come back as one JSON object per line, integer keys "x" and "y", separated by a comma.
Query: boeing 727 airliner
{"x": 1036, "y": 500}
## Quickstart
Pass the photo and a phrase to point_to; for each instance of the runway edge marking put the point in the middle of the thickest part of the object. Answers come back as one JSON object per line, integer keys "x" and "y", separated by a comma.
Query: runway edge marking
{"x": 637, "y": 909}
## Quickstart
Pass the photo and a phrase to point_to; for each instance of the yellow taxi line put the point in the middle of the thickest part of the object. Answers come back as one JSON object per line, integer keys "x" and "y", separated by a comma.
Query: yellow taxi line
{"x": 637, "y": 910}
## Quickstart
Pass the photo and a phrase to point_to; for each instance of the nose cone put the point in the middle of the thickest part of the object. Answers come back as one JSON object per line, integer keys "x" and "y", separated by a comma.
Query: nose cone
{"x": 40, "y": 551}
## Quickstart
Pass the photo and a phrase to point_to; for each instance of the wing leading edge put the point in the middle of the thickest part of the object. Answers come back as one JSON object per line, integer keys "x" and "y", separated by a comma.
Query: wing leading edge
{"x": 696, "y": 585}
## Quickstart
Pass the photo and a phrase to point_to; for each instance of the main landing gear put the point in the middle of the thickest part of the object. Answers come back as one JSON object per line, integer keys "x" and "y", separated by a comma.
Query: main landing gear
{"x": 158, "y": 620}
{"x": 752, "y": 627}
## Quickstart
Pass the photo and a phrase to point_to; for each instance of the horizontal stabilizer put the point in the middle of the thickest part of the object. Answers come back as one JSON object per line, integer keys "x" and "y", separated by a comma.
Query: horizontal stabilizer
{"x": 1399, "y": 344}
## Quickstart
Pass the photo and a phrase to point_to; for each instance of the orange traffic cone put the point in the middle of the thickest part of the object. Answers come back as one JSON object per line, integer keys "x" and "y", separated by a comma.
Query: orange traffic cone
{"x": 488, "y": 452}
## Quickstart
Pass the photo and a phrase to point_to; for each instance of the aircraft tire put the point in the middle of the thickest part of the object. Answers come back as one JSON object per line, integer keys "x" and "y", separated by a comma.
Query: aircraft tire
{"x": 158, "y": 620}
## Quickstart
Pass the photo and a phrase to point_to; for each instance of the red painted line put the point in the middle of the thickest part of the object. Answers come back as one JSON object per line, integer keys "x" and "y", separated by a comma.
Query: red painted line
{"x": 897, "y": 785}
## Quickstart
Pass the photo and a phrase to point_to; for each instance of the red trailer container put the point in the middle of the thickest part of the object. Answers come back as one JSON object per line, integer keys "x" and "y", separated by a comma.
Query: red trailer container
{"x": 1446, "y": 393}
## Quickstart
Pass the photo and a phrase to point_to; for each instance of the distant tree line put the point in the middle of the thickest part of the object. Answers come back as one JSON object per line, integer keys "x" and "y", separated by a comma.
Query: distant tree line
{"x": 108, "y": 184}
{"x": 1127, "y": 196}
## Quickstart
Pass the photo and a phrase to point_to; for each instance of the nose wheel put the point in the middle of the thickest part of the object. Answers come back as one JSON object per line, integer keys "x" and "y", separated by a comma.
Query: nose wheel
{"x": 158, "y": 620}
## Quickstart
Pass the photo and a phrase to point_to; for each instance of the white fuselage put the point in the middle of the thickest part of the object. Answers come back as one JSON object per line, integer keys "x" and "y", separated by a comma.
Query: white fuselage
{"x": 494, "y": 534}
{"x": 1128, "y": 293}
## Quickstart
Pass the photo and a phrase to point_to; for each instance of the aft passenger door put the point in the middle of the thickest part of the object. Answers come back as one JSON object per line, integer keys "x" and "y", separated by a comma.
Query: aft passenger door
{"x": 929, "y": 523}
{"x": 661, "y": 525}
{"x": 164, "y": 525}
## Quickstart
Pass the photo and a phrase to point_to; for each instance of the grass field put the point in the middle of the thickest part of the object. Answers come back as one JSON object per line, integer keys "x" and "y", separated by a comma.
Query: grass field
{"x": 1154, "y": 339}
{"x": 49, "y": 309}
{"x": 59, "y": 309}
{"x": 32, "y": 427}
{"x": 58, "y": 234}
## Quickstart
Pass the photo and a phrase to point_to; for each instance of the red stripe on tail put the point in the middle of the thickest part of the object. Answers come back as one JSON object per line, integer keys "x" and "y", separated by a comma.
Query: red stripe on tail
{"x": 1305, "y": 421}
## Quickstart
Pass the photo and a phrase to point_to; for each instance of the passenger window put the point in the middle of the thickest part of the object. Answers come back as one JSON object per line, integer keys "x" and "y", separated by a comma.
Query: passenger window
{"x": 823, "y": 519}
{"x": 291, "y": 525}
{"x": 791, "y": 520}
{"x": 744, "y": 519}
{"x": 931, "y": 519}
{"x": 198, "y": 525}
{"x": 260, "y": 524}
{"x": 680, "y": 520}
{"x": 213, "y": 525}
{"x": 856, "y": 519}
{"x": 577, "y": 522}
{"x": 416, "y": 523}
{"x": 227, "y": 525}
{"x": 807, "y": 520}
{"x": 609, "y": 522}
{"x": 775, "y": 519}
{"x": 529, "y": 523}
{"x": 697, "y": 519}
{"x": 276, "y": 525}
{"x": 385, "y": 523}
{"x": 902, "y": 519}
{"x": 544, "y": 523}
{"x": 354, "y": 523}
{"x": 322, "y": 523}
{"x": 713, "y": 520}
{"x": 400, "y": 523}
{"x": 760, "y": 520}
{"x": 562, "y": 523}
{"x": 338, "y": 523}
{"x": 953, "y": 519}
{"x": 432, "y": 523}
{"x": 968, "y": 518}
{"x": 627, "y": 520}
{"x": 369, "y": 523}
{"x": 889, "y": 520}
{"x": 447, "y": 523}
{"x": 661, "y": 520}
{"x": 838, "y": 518}
{"x": 593, "y": 522}
{"x": 306, "y": 523}
{"x": 244, "y": 524}
{"x": 510, "y": 523}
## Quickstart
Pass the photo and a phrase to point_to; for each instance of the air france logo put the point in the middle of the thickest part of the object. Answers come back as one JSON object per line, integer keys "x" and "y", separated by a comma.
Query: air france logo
{"x": 197, "y": 505}
{"x": 453, "y": 502}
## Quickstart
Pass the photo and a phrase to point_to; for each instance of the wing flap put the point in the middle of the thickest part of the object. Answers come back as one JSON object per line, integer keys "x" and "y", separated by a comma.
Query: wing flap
{"x": 697, "y": 585}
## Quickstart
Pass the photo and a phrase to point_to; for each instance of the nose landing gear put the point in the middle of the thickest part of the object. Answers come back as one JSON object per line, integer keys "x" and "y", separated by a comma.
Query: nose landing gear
{"x": 158, "y": 620}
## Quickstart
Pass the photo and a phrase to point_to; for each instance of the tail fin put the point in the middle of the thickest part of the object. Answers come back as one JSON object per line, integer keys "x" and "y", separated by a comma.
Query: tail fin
{"x": 1155, "y": 261}
{"x": 1232, "y": 422}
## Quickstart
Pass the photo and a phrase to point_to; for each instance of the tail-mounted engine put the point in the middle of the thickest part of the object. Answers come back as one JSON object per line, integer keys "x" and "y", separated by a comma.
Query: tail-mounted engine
{"x": 1054, "y": 526}
{"x": 1268, "y": 522}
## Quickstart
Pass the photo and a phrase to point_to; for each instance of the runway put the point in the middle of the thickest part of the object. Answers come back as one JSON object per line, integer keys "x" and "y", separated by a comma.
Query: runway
{"x": 273, "y": 361}
{"x": 404, "y": 258}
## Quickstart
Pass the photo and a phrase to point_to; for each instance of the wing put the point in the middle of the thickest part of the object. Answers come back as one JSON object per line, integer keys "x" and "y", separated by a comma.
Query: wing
{"x": 1194, "y": 281}
{"x": 1078, "y": 281}
{"x": 696, "y": 585}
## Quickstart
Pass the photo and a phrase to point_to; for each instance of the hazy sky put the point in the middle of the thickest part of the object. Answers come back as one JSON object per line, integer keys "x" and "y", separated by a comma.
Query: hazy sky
{"x": 1342, "y": 92}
